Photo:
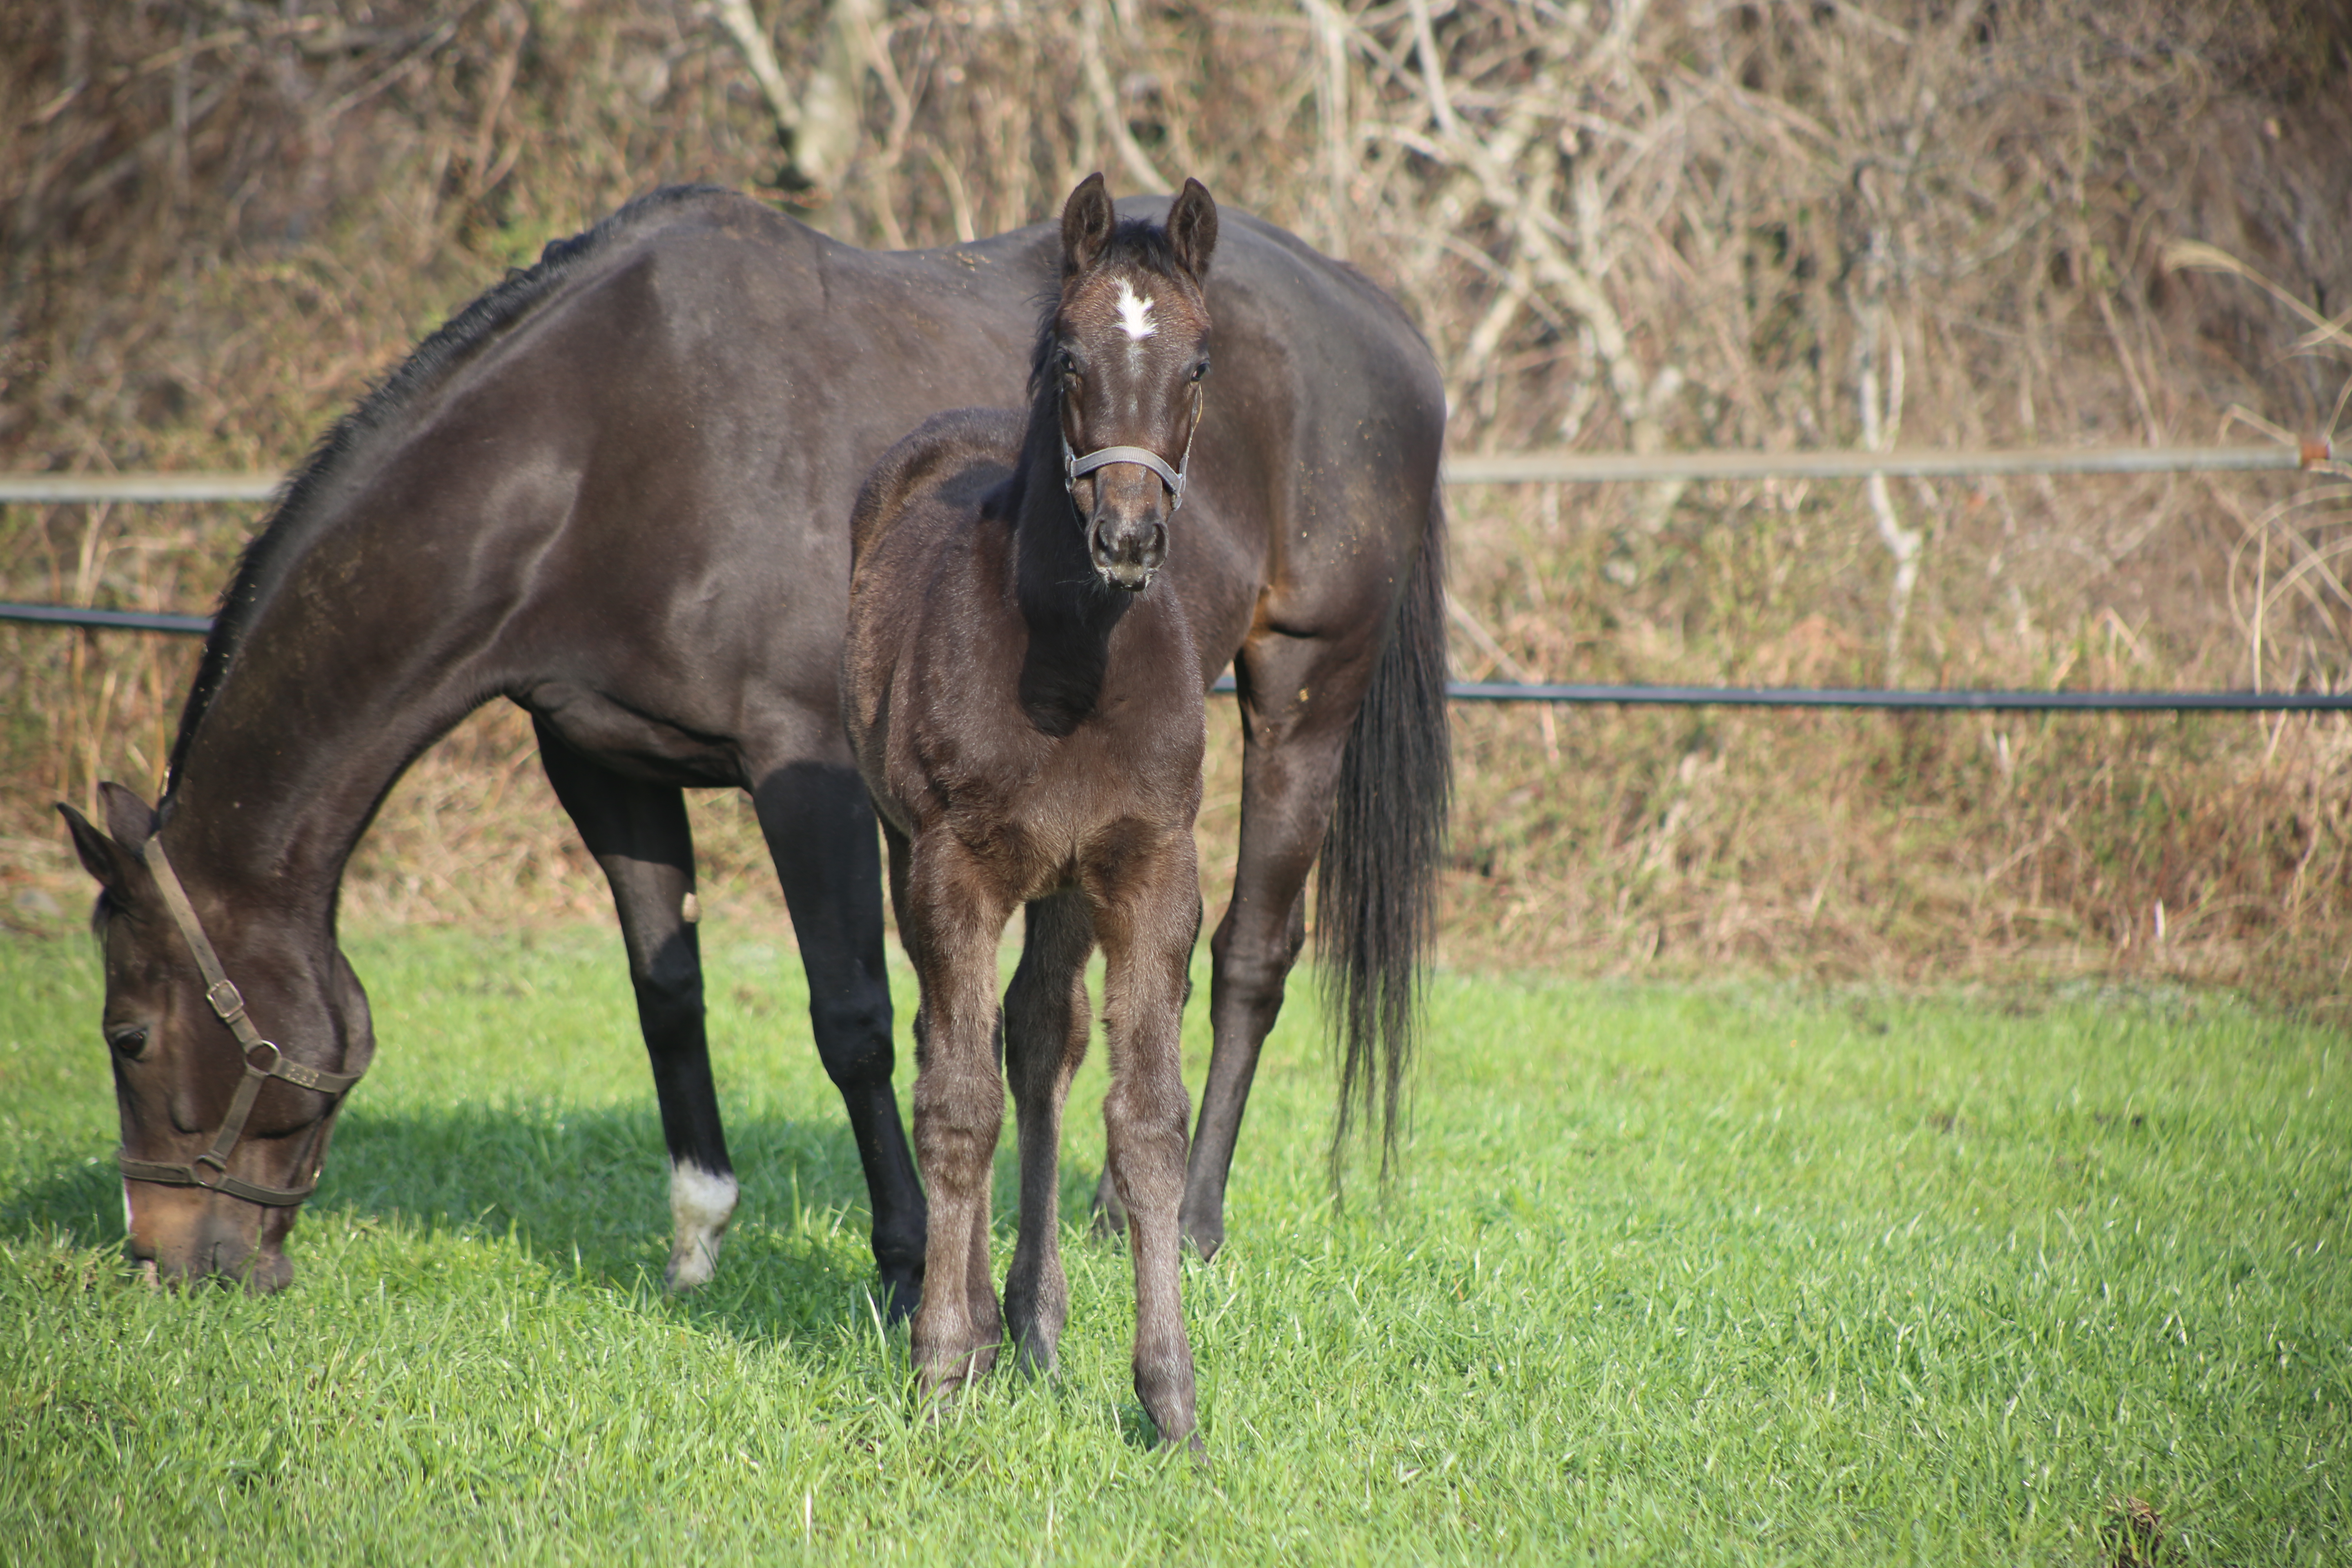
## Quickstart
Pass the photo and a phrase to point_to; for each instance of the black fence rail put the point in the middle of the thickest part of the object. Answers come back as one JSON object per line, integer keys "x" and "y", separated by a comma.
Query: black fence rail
{"x": 1629, "y": 696}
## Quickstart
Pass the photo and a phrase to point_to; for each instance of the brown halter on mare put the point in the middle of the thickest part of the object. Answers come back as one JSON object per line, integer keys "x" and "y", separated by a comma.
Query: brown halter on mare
{"x": 263, "y": 1061}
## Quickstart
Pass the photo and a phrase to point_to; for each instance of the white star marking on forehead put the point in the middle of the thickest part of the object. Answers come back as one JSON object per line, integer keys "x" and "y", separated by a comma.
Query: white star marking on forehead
{"x": 1135, "y": 312}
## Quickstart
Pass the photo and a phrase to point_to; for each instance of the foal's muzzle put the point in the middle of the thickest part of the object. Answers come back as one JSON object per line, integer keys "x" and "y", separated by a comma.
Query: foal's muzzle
{"x": 1135, "y": 492}
{"x": 1127, "y": 552}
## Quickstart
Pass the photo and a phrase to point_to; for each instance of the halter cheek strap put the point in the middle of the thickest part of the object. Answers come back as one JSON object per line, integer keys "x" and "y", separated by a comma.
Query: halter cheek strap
{"x": 263, "y": 1060}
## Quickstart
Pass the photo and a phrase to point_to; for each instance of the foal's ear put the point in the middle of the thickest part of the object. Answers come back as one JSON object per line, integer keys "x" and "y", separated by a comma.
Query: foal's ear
{"x": 1087, "y": 218}
{"x": 1193, "y": 229}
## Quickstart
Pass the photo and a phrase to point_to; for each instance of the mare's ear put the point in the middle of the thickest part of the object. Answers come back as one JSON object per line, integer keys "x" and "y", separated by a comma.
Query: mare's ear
{"x": 111, "y": 859}
{"x": 131, "y": 819}
{"x": 1087, "y": 218}
{"x": 1193, "y": 229}
{"x": 102, "y": 857}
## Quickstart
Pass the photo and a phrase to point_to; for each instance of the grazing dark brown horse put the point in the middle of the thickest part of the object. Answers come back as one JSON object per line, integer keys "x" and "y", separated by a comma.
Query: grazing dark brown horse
{"x": 1026, "y": 710}
{"x": 615, "y": 490}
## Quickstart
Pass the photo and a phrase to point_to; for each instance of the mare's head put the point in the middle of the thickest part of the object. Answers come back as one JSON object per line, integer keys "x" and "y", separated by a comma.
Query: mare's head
{"x": 1123, "y": 358}
{"x": 194, "y": 1208}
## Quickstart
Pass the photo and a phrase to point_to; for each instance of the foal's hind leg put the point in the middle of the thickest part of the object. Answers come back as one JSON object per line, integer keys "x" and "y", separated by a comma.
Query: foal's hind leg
{"x": 638, "y": 834}
{"x": 1046, "y": 1021}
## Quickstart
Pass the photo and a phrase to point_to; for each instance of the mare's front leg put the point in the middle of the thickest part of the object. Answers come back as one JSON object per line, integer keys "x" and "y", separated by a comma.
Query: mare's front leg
{"x": 953, "y": 916}
{"x": 1146, "y": 927}
{"x": 819, "y": 824}
{"x": 638, "y": 833}
{"x": 1046, "y": 1021}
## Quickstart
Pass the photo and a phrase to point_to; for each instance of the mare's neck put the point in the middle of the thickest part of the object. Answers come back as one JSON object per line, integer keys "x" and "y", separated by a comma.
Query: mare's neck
{"x": 1070, "y": 611}
{"x": 314, "y": 722}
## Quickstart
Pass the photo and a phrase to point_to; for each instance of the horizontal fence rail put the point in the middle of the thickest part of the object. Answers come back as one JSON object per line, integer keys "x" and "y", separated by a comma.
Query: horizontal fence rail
{"x": 136, "y": 489}
{"x": 1512, "y": 469}
{"x": 108, "y": 620}
{"x": 1637, "y": 467}
{"x": 1502, "y": 469}
{"x": 1814, "y": 696}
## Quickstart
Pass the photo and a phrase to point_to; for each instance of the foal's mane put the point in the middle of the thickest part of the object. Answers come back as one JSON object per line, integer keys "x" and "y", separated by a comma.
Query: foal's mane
{"x": 298, "y": 516}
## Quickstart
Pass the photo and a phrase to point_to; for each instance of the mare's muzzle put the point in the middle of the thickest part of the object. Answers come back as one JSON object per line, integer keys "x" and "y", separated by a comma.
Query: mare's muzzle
{"x": 184, "y": 1236}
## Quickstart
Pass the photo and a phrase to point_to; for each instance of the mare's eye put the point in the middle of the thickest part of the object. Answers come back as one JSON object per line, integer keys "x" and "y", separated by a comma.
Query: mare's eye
{"x": 1200, "y": 370}
{"x": 129, "y": 1041}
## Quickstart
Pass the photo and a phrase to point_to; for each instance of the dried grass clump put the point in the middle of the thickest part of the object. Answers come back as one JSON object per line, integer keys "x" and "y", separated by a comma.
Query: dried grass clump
{"x": 1642, "y": 226}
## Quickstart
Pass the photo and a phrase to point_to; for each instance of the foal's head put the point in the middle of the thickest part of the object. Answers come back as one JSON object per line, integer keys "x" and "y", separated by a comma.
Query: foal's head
{"x": 1123, "y": 361}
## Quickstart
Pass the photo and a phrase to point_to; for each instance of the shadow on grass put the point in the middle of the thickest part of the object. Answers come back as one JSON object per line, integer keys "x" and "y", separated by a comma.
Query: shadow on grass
{"x": 585, "y": 1192}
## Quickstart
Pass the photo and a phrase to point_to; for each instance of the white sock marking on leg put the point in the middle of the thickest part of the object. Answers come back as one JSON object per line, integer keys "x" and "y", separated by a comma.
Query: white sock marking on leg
{"x": 701, "y": 1204}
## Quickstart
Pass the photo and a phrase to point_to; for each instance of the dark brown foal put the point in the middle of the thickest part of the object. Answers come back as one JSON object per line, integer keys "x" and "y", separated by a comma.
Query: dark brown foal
{"x": 1026, "y": 710}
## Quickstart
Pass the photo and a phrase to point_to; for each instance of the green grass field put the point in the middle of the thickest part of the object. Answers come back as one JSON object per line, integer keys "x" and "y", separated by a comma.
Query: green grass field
{"x": 1739, "y": 1275}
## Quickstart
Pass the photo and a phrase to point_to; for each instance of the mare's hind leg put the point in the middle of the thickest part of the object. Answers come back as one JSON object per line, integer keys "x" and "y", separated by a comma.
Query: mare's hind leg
{"x": 637, "y": 832}
{"x": 1147, "y": 927}
{"x": 1299, "y": 698}
{"x": 951, "y": 921}
{"x": 1046, "y": 1021}
{"x": 819, "y": 824}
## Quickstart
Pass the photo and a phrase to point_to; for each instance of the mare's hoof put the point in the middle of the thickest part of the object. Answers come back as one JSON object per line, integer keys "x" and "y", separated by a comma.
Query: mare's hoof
{"x": 1110, "y": 1215}
{"x": 900, "y": 1298}
{"x": 1203, "y": 1239}
{"x": 691, "y": 1265}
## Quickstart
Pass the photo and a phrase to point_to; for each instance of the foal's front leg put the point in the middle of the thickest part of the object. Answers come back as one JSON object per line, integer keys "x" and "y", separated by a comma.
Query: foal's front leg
{"x": 958, "y": 1110}
{"x": 1147, "y": 933}
{"x": 1046, "y": 1020}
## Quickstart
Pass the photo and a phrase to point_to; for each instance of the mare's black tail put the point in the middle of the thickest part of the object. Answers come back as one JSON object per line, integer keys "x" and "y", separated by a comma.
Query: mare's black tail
{"x": 1376, "y": 880}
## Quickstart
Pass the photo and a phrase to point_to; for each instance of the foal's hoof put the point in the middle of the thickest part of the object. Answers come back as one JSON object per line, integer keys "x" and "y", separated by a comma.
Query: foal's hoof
{"x": 1033, "y": 1356}
{"x": 937, "y": 1386}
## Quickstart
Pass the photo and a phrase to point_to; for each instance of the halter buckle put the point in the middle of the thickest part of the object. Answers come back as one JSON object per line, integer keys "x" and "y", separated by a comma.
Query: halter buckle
{"x": 227, "y": 1001}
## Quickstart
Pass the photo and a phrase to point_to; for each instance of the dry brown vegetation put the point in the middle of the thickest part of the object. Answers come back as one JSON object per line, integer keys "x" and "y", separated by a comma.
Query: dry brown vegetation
{"x": 1653, "y": 225}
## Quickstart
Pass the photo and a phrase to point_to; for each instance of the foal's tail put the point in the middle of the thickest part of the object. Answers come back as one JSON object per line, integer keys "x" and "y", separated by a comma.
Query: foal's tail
{"x": 1376, "y": 880}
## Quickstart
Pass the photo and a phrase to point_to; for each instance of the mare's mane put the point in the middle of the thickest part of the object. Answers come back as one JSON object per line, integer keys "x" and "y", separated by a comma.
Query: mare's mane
{"x": 297, "y": 516}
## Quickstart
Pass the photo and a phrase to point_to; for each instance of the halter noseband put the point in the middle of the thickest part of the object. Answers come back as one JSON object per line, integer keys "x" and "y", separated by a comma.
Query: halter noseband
{"x": 1074, "y": 467}
{"x": 263, "y": 1060}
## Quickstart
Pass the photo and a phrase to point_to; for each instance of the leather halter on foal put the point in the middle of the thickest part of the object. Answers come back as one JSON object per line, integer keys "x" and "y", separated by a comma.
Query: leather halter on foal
{"x": 1074, "y": 467}
{"x": 263, "y": 1060}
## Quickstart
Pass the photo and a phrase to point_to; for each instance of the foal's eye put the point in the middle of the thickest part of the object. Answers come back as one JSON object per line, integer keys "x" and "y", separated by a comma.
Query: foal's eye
{"x": 1200, "y": 370}
{"x": 129, "y": 1041}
